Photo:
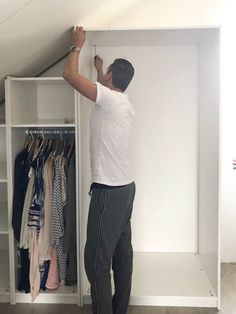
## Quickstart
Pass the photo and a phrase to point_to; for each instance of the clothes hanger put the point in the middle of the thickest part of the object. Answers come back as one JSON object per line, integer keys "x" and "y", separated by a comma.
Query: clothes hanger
{"x": 67, "y": 147}
{"x": 72, "y": 148}
{"x": 27, "y": 143}
{"x": 56, "y": 147}
{"x": 49, "y": 147}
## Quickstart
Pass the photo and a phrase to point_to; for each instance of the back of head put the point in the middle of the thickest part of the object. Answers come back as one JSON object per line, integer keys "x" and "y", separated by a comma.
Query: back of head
{"x": 122, "y": 73}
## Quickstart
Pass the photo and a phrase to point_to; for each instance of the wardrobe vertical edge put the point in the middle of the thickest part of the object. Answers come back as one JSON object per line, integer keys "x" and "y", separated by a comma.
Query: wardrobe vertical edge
{"x": 12, "y": 274}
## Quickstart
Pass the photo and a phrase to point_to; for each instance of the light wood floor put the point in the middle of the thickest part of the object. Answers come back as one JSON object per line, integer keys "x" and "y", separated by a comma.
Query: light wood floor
{"x": 228, "y": 302}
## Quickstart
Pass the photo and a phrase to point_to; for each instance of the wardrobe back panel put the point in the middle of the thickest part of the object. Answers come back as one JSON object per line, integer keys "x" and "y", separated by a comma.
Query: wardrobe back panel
{"x": 23, "y": 102}
{"x": 3, "y": 196}
{"x": 56, "y": 101}
{"x": 163, "y": 150}
{"x": 42, "y": 101}
{"x": 3, "y": 243}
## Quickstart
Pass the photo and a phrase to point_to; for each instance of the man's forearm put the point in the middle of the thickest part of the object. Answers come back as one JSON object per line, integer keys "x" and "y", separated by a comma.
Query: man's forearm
{"x": 72, "y": 63}
{"x": 71, "y": 70}
{"x": 100, "y": 76}
{"x": 76, "y": 80}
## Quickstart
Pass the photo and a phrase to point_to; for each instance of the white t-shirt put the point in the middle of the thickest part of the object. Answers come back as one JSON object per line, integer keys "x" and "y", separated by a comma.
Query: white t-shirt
{"x": 110, "y": 126}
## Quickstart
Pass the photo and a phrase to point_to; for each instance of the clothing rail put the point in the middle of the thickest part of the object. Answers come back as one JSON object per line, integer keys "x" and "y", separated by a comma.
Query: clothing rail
{"x": 42, "y": 132}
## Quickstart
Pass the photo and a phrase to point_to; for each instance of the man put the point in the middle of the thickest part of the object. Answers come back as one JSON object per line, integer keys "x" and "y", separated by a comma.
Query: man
{"x": 112, "y": 189}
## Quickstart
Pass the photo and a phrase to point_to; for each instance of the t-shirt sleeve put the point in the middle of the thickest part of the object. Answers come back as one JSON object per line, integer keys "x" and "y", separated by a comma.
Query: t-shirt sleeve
{"x": 106, "y": 98}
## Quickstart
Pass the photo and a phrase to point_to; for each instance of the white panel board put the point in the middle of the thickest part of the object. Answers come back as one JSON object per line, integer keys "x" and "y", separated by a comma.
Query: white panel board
{"x": 209, "y": 159}
{"x": 163, "y": 150}
{"x": 175, "y": 279}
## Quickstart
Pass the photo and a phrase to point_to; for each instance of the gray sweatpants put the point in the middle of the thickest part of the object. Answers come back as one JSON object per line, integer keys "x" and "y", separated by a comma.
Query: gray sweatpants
{"x": 109, "y": 244}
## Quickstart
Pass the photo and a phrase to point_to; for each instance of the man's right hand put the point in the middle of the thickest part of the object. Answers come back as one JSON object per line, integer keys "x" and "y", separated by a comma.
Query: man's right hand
{"x": 98, "y": 63}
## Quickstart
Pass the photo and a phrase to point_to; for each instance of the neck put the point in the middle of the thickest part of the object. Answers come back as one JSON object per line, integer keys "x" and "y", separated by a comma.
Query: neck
{"x": 117, "y": 89}
{"x": 113, "y": 87}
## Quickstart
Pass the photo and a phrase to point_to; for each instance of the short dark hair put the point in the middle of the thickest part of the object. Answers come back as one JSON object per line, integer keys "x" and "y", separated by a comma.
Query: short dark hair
{"x": 122, "y": 73}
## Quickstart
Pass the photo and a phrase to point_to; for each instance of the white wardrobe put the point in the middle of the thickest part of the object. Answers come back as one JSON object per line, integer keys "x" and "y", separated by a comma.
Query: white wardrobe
{"x": 174, "y": 156}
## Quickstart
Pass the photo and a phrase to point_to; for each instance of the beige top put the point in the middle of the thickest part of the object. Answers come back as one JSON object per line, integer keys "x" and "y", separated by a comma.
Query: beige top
{"x": 24, "y": 234}
{"x": 44, "y": 240}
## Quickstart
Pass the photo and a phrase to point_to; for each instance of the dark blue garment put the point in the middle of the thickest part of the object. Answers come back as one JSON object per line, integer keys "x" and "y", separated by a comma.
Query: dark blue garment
{"x": 21, "y": 179}
{"x": 44, "y": 275}
{"x": 36, "y": 211}
{"x": 23, "y": 274}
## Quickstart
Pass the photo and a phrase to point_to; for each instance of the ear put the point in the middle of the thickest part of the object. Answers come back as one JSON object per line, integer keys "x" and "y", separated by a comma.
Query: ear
{"x": 108, "y": 78}
{"x": 109, "y": 75}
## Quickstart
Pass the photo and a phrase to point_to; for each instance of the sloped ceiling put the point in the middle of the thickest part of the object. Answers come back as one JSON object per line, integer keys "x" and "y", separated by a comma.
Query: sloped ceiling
{"x": 36, "y": 33}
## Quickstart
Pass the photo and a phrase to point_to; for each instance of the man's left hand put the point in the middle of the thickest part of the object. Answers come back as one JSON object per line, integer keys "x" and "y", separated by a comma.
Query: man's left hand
{"x": 78, "y": 37}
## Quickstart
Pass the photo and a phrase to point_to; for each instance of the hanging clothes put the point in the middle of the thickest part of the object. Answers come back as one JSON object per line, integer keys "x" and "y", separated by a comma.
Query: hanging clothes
{"x": 21, "y": 166}
{"x": 24, "y": 235}
{"x": 35, "y": 222}
{"x": 58, "y": 196}
{"x": 46, "y": 233}
{"x": 21, "y": 169}
{"x": 70, "y": 224}
{"x": 53, "y": 274}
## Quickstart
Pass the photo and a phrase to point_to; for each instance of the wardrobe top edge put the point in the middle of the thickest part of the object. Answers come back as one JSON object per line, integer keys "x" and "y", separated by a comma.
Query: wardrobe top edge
{"x": 36, "y": 79}
{"x": 150, "y": 37}
{"x": 177, "y": 28}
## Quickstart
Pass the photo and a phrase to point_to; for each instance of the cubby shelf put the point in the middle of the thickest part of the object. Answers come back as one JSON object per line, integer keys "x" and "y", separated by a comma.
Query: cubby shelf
{"x": 44, "y": 124}
{"x": 61, "y": 295}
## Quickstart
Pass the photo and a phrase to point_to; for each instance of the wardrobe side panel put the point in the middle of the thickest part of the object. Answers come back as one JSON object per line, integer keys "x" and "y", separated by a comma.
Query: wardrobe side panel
{"x": 163, "y": 146}
{"x": 86, "y": 64}
{"x": 209, "y": 158}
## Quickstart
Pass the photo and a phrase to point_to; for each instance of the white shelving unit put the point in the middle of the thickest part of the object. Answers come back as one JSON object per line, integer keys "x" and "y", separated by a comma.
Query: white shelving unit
{"x": 41, "y": 102}
{"x": 38, "y": 103}
{"x": 174, "y": 156}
